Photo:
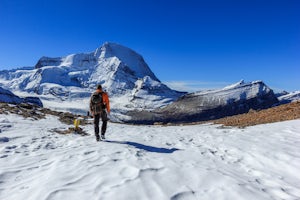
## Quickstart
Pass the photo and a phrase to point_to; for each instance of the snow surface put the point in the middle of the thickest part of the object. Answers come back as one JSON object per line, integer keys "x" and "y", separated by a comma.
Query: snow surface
{"x": 148, "y": 162}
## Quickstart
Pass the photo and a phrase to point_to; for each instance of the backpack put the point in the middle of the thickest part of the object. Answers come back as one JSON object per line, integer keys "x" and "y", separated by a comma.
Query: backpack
{"x": 97, "y": 98}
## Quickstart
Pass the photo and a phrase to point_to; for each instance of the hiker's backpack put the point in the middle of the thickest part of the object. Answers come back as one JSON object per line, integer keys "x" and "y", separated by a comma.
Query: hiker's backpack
{"x": 97, "y": 99}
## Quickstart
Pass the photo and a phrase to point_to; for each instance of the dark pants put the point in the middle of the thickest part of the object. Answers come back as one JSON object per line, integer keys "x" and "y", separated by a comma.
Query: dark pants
{"x": 97, "y": 117}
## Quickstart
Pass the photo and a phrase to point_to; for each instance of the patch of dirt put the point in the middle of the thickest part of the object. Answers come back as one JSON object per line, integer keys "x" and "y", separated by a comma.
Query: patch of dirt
{"x": 35, "y": 113}
{"x": 70, "y": 130}
{"x": 284, "y": 112}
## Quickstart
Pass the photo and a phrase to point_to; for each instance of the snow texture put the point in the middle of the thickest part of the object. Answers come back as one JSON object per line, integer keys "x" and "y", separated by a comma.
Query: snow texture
{"x": 148, "y": 162}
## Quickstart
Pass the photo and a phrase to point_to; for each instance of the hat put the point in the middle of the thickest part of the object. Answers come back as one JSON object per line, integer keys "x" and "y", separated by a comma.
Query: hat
{"x": 99, "y": 87}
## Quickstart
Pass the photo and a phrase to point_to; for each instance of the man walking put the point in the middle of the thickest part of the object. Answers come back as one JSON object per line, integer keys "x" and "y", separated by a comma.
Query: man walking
{"x": 99, "y": 104}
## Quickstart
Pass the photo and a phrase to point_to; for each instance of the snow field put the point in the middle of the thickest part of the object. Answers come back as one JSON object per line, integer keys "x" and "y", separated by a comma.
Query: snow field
{"x": 148, "y": 162}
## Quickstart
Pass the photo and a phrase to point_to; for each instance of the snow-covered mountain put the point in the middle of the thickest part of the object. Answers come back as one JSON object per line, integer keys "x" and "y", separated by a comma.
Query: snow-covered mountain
{"x": 231, "y": 100}
{"x": 7, "y": 96}
{"x": 289, "y": 97}
{"x": 122, "y": 72}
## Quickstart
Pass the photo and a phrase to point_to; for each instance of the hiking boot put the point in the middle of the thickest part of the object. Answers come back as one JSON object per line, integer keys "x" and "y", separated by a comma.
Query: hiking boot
{"x": 98, "y": 138}
{"x": 102, "y": 137}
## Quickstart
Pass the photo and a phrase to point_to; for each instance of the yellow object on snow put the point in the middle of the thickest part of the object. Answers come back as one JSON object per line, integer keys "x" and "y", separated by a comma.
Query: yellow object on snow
{"x": 76, "y": 123}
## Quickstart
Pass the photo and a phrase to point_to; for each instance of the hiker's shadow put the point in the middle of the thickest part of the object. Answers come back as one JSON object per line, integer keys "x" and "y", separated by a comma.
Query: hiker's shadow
{"x": 145, "y": 147}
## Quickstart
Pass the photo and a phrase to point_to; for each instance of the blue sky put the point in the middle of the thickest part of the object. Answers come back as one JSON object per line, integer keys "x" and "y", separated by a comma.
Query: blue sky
{"x": 187, "y": 43}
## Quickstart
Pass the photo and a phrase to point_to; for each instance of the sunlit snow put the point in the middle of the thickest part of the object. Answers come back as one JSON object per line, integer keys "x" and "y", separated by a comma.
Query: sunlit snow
{"x": 148, "y": 162}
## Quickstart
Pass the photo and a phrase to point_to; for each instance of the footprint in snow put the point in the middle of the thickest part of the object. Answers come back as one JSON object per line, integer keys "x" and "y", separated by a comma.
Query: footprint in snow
{"x": 139, "y": 153}
{"x": 169, "y": 144}
{"x": 4, "y": 139}
{"x": 3, "y": 156}
{"x": 11, "y": 147}
{"x": 88, "y": 152}
{"x": 184, "y": 195}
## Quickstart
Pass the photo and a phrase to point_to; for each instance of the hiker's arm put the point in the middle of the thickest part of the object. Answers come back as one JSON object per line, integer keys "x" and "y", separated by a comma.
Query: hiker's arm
{"x": 91, "y": 107}
{"x": 106, "y": 101}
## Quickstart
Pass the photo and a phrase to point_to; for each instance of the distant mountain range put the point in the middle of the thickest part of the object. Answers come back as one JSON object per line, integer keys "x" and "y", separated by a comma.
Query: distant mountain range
{"x": 136, "y": 94}
{"x": 208, "y": 105}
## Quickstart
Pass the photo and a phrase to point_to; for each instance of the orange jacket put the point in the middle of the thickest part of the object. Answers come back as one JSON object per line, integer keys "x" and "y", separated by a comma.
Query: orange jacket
{"x": 105, "y": 101}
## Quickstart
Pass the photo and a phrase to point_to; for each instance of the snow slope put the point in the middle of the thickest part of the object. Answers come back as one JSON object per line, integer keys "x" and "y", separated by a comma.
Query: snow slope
{"x": 148, "y": 162}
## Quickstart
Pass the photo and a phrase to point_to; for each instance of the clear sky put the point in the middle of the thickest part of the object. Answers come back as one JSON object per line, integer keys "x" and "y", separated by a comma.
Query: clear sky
{"x": 190, "y": 44}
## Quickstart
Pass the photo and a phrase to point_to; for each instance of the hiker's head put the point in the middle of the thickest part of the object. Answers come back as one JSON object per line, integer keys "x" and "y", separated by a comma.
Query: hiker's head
{"x": 99, "y": 87}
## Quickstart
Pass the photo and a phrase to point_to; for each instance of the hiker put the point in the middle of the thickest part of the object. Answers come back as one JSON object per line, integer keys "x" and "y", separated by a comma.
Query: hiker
{"x": 99, "y": 104}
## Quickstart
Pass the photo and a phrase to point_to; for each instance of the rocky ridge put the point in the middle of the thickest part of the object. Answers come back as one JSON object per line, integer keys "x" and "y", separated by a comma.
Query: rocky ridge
{"x": 280, "y": 113}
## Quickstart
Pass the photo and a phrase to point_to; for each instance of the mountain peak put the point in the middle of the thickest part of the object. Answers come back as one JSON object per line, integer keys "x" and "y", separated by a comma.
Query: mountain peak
{"x": 131, "y": 60}
{"x": 241, "y": 82}
{"x": 110, "y": 49}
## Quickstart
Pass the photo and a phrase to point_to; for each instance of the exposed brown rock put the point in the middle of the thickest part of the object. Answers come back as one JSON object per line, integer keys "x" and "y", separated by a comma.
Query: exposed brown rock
{"x": 36, "y": 113}
{"x": 275, "y": 114}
